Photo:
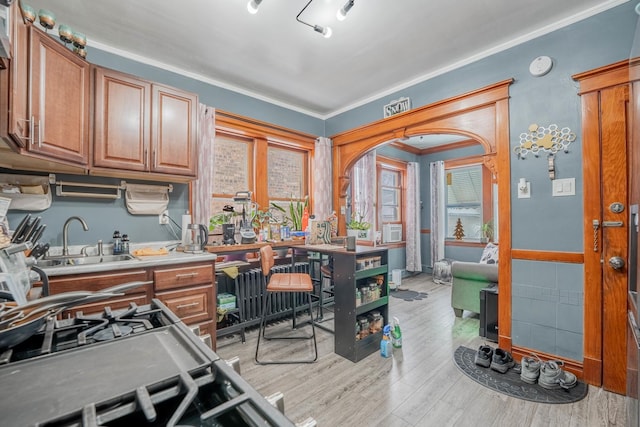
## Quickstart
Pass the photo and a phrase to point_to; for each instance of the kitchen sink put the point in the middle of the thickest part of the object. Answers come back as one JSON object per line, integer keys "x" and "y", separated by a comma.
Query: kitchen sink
{"x": 66, "y": 261}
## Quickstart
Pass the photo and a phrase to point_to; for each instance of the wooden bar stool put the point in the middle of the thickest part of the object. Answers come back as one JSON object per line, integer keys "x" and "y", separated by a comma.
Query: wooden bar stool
{"x": 288, "y": 283}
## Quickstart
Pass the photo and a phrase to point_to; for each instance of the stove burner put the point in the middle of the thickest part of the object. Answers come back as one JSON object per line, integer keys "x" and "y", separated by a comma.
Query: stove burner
{"x": 115, "y": 331}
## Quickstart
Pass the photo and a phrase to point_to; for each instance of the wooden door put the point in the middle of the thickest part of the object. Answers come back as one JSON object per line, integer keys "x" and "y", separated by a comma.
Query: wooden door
{"x": 59, "y": 100}
{"x": 606, "y": 116}
{"x": 122, "y": 121}
{"x": 614, "y": 233}
{"x": 173, "y": 132}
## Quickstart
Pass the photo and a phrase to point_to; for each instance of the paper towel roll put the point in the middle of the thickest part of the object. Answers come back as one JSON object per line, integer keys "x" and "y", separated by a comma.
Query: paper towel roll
{"x": 186, "y": 220}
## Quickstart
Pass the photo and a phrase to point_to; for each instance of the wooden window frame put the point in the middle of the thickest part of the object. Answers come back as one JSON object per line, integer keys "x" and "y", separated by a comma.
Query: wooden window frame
{"x": 386, "y": 163}
{"x": 264, "y": 135}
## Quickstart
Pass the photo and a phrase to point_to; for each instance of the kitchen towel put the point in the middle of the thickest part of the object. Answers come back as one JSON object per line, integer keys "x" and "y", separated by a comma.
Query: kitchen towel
{"x": 186, "y": 220}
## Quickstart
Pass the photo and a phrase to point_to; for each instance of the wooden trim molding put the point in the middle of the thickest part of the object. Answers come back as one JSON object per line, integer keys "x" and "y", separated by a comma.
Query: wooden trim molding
{"x": 447, "y": 147}
{"x": 551, "y": 256}
{"x": 481, "y": 115}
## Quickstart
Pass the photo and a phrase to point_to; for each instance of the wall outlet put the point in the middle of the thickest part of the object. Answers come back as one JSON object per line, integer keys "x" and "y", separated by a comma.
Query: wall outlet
{"x": 163, "y": 218}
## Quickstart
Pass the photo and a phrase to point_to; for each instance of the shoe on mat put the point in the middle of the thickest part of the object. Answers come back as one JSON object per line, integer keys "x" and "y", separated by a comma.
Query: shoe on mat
{"x": 530, "y": 369}
{"x": 552, "y": 377}
{"x": 483, "y": 356}
{"x": 501, "y": 361}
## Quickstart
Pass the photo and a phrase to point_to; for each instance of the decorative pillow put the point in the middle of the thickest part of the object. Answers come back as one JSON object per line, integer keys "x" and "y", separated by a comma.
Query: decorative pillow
{"x": 489, "y": 254}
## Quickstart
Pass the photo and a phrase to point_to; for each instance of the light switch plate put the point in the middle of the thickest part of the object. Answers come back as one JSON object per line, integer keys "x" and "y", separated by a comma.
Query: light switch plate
{"x": 563, "y": 187}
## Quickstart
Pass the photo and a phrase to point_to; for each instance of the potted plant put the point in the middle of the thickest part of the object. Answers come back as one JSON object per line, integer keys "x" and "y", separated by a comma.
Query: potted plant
{"x": 486, "y": 231}
{"x": 358, "y": 227}
{"x": 295, "y": 212}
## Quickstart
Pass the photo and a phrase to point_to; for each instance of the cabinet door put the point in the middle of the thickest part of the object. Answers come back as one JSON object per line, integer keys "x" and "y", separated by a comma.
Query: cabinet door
{"x": 18, "y": 80}
{"x": 173, "y": 132}
{"x": 122, "y": 121}
{"x": 59, "y": 99}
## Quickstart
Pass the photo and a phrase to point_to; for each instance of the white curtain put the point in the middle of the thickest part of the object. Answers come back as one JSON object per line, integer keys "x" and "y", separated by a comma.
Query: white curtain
{"x": 437, "y": 211}
{"x": 201, "y": 188}
{"x": 414, "y": 255}
{"x": 322, "y": 187}
{"x": 363, "y": 180}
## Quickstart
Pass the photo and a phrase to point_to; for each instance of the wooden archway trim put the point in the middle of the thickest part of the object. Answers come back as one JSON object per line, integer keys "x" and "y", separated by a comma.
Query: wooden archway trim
{"x": 475, "y": 114}
{"x": 482, "y": 115}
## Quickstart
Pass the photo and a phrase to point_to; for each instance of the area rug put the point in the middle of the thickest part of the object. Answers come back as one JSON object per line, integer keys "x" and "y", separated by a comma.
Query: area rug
{"x": 510, "y": 383}
{"x": 408, "y": 295}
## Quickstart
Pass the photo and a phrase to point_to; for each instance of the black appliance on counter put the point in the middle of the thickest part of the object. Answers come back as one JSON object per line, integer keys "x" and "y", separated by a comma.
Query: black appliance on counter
{"x": 135, "y": 367}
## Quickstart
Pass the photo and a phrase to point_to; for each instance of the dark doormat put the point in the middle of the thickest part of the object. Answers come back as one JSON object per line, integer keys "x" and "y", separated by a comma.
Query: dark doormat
{"x": 510, "y": 383}
{"x": 408, "y": 295}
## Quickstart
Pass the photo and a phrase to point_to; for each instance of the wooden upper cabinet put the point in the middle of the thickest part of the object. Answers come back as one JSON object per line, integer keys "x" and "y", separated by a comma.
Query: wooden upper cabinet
{"x": 173, "y": 132}
{"x": 48, "y": 97}
{"x": 122, "y": 123}
{"x": 60, "y": 94}
{"x": 143, "y": 126}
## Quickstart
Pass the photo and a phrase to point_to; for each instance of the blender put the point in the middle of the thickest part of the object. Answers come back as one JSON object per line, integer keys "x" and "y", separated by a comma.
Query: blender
{"x": 249, "y": 210}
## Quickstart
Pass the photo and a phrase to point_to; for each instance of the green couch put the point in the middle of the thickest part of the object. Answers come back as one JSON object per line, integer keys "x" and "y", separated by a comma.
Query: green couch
{"x": 468, "y": 279}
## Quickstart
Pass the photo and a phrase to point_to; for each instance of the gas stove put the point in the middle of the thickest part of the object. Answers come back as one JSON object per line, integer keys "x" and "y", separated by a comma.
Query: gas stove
{"x": 140, "y": 366}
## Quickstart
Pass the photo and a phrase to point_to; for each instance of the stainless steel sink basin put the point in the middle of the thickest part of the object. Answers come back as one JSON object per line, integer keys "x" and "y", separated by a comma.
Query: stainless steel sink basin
{"x": 83, "y": 260}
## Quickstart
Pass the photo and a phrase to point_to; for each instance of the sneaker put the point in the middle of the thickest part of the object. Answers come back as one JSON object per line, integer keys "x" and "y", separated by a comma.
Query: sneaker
{"x": 501, "y": 361}
{"x": 530, "y": 369}
{"x": 552, "y": 377}
{"x": 483, "y": 356}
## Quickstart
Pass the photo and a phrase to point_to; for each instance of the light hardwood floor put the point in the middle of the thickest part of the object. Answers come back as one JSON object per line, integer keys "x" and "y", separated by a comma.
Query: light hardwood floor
{"x": 423, "y": 388}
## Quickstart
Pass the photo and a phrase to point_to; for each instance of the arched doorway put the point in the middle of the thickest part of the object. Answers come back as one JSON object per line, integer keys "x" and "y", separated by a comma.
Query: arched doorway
{"x": 481, "y": 115}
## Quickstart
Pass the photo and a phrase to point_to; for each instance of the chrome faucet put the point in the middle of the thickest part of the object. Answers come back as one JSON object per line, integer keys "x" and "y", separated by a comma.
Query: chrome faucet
{"x": 65, "y": 233}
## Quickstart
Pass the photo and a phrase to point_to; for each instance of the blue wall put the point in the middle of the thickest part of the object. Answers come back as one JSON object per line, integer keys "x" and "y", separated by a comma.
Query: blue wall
{"x": 103, "y": 216}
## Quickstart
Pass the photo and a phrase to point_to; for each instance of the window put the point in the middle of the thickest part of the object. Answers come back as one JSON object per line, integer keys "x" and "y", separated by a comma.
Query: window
{"x": 233, "y": 169}
{"x": 469, "y": 199}
{"x": 272, "y": 162}
{"x": 382, "y": 194}
{"x": 391, "y": 178}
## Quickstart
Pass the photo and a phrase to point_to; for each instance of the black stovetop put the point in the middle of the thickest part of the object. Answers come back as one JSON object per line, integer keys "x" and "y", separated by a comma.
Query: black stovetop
{"x": 159, "y": 373}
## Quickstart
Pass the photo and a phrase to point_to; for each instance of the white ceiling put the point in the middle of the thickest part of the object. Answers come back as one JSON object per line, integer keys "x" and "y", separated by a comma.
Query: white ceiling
{"x": 382, "y": 46}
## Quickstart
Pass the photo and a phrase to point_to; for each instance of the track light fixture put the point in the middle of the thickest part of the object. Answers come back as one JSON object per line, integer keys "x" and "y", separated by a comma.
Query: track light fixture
{"x": 342, "y": 13}
{"x": 252, "y": 6}
{"x": 325, "y": 31}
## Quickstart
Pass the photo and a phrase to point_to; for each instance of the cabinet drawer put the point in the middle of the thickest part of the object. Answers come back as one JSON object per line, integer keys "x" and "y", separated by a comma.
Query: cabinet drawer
{"x": 191, "y": 305}
{"x": 114, "y": 304}
{"x": 96, "y": 282}
{"x": 180, "y": 277}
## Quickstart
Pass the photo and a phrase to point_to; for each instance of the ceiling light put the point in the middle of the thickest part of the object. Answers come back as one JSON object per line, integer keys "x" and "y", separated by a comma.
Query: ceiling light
{"x": 252, "y": 6}
{"x": 325, "y": 31}
{"x": 342, "y": 13}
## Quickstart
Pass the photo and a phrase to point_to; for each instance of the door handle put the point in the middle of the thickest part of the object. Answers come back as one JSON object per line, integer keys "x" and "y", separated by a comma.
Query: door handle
{"x": 616, "y": 262}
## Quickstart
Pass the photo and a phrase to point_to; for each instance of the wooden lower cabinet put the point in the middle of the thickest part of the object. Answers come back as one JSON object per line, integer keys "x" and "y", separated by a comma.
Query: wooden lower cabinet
{"x": 188, "y": 290}
{"x": 98, "y": 281}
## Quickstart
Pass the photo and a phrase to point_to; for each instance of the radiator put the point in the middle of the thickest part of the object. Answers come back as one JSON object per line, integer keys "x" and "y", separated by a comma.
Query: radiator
{"x": 251, "y": 286}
